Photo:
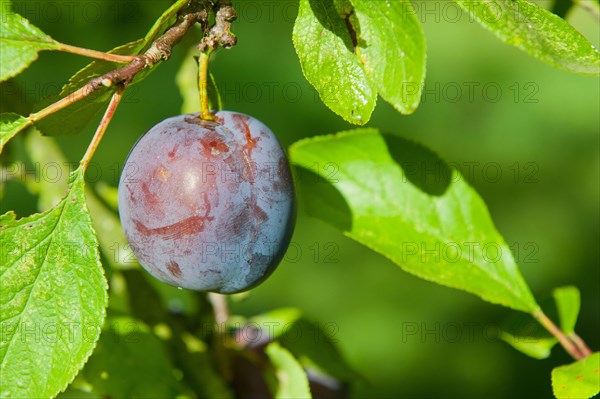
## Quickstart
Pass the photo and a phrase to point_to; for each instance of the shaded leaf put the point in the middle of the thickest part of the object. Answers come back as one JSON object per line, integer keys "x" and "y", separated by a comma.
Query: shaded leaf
{"x": 130, "y": 362}
{"x": 326, "y": 52}
{"x": 391, "y": 45}
{"x": 292, "y": 381}
{"x": 52, "y": 298}
{"x": 51, "y": 183}
{"x": 20, "y": 43}
{"x": 538, "y": 32}
{"x": 432, "y": 225}
{"x": 74, "y": 118}
{"x": 568, "y": 302}
{"x": 524, "y": 333}
{"x": 313, "y": 344}
{"x": 111, "y": 237}
{"x": 580, "y": 379}
{"x": 10, "y": 125}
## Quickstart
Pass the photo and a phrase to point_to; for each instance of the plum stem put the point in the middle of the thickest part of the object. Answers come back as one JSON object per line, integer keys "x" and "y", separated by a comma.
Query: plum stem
{"x": 203, "y": 86}
{"x": 108, "y": 115}
{"x": 220, "y": 307}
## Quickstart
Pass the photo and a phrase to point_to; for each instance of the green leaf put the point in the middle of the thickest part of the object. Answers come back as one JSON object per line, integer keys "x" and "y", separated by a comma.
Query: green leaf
{"x": 580, "y": 379}
{"x": 391, "y": 45}
{"x": 568, "y": 302}
{"x": 20, "y": 43}
{"x": 326, "y": 52}
{"x": 537, "y": 347}
{"x": 10, "y": 125}
{"x": 524, "y": 333}
{"x": 292, "y": 381}
{"x": 111, "y": 237}
{"x": 44, "y": 151}
{"x": 313, "y": 344}
{"x": 130, "y": 362}
{"x": 187, "y": 82}
{"x": 75, "y": 117}
{"x": 538, "y": 32}
{"x": 432, "y": 225}
{"x": 8, "y": 217}
{"x": 52, "y": 299}
{"x": 167, "y": 19}
{"x": 51, "y": 185}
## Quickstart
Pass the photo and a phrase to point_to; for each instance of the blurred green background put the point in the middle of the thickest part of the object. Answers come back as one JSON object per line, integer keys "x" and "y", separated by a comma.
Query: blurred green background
{"x": 536, "y": 126}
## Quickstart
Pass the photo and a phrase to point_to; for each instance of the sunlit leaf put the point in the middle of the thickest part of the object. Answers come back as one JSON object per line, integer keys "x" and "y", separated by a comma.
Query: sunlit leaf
{"x": 20, "y": 43}
{"x": 324, "y": 46}
{"x": 538, "y": 32}
{"x": 391, "y": 46}
{"x": 580, "y": 379}
{"x": 52, "y": 298}
{"x": 292, "y": 381}
{"x": 432, "y": 225}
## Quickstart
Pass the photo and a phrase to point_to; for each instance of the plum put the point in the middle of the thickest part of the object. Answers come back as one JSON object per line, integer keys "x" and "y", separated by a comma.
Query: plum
{"x": 206, "y": 205}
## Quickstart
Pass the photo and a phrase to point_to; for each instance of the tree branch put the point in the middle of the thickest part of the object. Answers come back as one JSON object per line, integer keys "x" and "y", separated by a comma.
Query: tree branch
{"x": 159, "y": 50}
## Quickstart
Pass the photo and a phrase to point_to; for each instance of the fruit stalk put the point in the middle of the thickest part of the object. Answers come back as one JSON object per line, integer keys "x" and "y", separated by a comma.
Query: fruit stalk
{"x": 203, "y": 86}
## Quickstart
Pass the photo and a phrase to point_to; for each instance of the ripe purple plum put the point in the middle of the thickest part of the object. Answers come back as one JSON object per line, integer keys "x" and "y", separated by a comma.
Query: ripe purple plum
{"x": 208, "y": 206}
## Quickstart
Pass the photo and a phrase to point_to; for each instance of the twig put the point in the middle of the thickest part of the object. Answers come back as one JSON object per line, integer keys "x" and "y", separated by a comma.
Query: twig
{"x": 108, "y": 115}
{"x": 581, "y": 345}
{"x": 220, "y": 34}
{"x": 159, "y": 50}
{"x": 95, "y": 54}
{"x": 562, "y": 338}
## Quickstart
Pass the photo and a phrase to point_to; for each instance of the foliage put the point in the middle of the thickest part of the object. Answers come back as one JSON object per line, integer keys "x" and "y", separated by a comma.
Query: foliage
{"x": 365, "y": 184}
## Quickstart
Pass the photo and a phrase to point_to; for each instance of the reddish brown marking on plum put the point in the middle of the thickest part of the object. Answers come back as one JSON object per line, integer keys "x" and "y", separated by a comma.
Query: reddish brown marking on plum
{"x": 283, "y": 183}
{"x": 173, "y": 268}
{"x": 213, "y": 144}
{"x": 188, "y": 226}
{"x": 150, "y": 199}
{"x": 131, "y": 196}
{"x": 219, "y": 146}
{"x": 240, "y": 223}
{"x": 210, "y": 271}
{"x": 171, "y": 154}
{"x": 242, "y": 124}
{"x": 259, "y": 213}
